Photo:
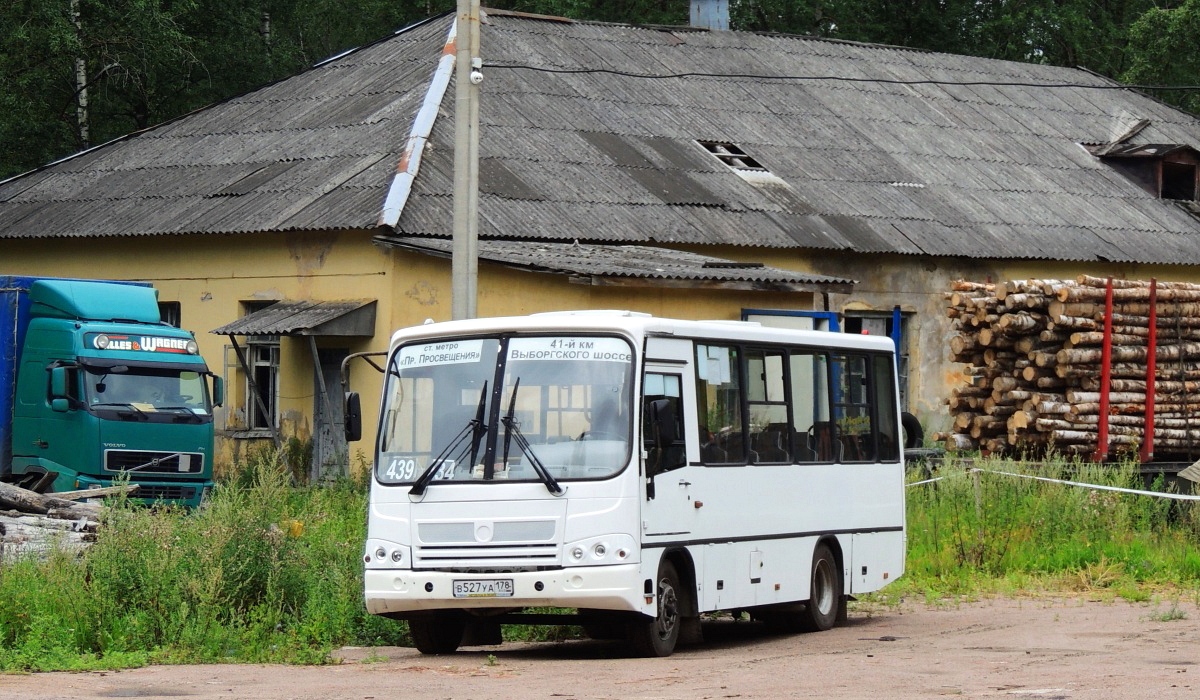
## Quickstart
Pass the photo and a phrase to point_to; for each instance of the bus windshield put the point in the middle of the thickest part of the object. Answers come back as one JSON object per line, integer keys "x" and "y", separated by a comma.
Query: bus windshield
{"x": 523, "y": 408}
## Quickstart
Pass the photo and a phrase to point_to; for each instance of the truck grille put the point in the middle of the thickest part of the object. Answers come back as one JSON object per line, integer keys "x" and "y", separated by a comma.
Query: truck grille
{"x": 164, "y": 493}
{"x": 144, "y": 462}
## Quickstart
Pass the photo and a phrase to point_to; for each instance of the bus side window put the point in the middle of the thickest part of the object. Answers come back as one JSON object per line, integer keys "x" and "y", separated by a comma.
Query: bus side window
{"x": 719, "y": 404}
{"x": 811, "y": 424}
{"x": 885, "y": 408}
{"x": 766, "y": 395}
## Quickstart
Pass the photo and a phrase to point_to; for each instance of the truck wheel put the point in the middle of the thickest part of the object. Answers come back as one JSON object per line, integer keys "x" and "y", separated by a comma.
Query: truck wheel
{"x": 657, "y": 637}
{"x": 437, "y": 634}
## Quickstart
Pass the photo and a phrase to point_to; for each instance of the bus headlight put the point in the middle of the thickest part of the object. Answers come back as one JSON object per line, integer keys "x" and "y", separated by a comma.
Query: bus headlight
{"x": 604, "y": 550}
{"x": 380, "y": 554}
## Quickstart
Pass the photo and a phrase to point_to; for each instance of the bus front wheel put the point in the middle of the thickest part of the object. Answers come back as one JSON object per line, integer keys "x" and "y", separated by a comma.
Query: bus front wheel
{"x": 825, "y": 592}
{"x": 437, "y": 634}
{"x": 657, "y": 637}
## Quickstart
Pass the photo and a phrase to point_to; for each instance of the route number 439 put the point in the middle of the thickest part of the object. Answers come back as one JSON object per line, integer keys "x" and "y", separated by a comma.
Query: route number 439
{"x": 405, "y": 469}
{"x": 401, "y": 469}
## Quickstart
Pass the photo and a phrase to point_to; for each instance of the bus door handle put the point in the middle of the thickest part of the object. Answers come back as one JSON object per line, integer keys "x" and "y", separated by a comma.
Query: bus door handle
{"x": 684, "y": 482}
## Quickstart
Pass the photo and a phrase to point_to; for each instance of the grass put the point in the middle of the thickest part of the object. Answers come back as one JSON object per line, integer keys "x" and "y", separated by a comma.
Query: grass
{"x": 980, "y": 532}
{"x": 264, "y": 572}
{"x": 271, "y": 572}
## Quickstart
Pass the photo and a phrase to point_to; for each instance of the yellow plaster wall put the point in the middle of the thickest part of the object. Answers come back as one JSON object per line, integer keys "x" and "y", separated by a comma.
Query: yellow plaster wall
{"x": 424, "y": 291}
{"x": 211, "y": 275}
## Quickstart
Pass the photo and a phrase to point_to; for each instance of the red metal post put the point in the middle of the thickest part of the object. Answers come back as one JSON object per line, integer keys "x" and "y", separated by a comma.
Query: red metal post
{"x": 1101, "y": 452}
{"x": 1147, "y": 451}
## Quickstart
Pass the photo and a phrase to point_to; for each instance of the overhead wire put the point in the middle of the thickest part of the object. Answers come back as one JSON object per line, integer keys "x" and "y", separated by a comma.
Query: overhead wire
{"x": 835, "y": 78}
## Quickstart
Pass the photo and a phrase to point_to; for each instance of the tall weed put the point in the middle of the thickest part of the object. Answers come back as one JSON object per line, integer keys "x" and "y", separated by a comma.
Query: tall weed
{"x": 976, "y": 521}
{"x": 262, "y": 572}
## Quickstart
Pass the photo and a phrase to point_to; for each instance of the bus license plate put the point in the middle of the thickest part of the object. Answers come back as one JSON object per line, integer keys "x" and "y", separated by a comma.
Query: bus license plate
{"x": 484, "y": 588}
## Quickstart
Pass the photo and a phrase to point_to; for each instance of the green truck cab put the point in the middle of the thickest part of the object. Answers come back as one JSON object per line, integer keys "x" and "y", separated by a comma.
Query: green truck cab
{"x": 94, "y": 388}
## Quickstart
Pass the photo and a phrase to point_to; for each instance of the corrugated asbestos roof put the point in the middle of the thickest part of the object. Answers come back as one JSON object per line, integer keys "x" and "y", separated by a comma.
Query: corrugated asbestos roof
{"x": 980, "y": 171}
{"x": 616, "y": 264}
{"x": 302, "y": 317}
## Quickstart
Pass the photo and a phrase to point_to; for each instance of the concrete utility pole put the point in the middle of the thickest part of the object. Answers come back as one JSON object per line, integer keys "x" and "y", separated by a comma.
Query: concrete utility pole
{"x": 467, "y": 76}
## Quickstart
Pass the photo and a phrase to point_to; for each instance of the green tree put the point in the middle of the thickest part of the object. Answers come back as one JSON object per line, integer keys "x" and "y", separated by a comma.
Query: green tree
{"x": 36, "y": 89}
{"x": 1164, "y": 42}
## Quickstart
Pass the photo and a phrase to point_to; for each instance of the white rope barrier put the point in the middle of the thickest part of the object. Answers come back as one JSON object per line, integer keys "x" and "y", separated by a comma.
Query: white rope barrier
{"x": 1098, "y": 487}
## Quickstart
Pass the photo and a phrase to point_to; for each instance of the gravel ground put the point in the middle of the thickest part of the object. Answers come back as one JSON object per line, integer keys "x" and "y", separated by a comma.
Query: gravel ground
{"x": 1001, "y": 648}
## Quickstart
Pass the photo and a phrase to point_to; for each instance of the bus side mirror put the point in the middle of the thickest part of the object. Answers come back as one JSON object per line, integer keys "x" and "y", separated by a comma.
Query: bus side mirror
{"x": 353, "y": 417}
{"x": 218, "y": 391}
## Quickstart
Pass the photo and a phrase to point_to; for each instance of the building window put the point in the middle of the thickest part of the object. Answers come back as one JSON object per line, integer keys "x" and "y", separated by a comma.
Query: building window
{"x": 262, "y": 383}
{"x": 732, "y": 155}
{"x": 171, "y": 313}
{"x": 263, "y": 357}
{"x": 1178, "y": 180}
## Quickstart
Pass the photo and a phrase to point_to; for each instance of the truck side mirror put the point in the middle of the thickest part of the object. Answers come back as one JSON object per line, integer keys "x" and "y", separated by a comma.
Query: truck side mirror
{"x": 218, "y": 391}
{"x": 58, "y": 383}
{"x": 60, "y": 400}
{"x": 353, "y": 417}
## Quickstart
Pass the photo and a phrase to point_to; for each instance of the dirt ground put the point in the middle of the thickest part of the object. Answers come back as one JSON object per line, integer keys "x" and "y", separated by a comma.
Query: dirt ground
{"x": 1046, "y": 648}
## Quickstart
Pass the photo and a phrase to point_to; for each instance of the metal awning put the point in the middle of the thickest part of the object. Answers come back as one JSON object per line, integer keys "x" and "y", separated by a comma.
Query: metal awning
{"x": 355, "y": 317}
{"x": 633, "y": 265}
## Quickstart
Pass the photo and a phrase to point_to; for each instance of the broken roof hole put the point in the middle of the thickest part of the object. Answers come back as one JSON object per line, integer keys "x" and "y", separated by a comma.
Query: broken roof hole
{"x": 732, "y": 155}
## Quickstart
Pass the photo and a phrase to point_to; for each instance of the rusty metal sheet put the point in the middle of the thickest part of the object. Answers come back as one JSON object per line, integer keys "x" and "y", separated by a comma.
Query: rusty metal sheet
{"x": 307, "y": 317}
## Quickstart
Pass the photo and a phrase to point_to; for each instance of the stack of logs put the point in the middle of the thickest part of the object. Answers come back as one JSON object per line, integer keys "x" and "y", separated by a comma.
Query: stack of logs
{"x": 1034, "y": 348}
{"x": 34, "y": 524}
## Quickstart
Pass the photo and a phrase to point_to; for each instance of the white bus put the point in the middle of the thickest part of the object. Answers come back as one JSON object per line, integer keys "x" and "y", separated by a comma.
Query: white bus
{"x": 637, "y": 471}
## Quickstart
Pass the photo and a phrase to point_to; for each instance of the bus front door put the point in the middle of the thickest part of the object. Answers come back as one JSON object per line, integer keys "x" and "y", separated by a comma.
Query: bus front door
{"x": 669, "y": 509}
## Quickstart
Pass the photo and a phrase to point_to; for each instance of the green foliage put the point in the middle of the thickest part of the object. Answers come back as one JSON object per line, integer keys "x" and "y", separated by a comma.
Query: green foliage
{"x": 263, "y": 572}
{"x": 976, "y": 526}
{"x": 1165, "y": 40}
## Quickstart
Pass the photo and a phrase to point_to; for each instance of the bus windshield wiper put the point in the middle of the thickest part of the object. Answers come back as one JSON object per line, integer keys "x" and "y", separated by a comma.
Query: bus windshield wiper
{"x": 475, "y": 428}
{"x": 512, "y": 431}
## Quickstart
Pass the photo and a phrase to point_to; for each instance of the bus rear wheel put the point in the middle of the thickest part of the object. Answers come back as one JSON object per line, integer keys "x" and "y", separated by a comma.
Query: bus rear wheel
{"x": 825, "y": 592}
{"x": 657, "y": 637}
{"x": 439, "y": 633}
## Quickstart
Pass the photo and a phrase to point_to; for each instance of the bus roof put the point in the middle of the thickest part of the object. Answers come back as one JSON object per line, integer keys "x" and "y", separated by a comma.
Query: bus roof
{"x": 638, "y": 326}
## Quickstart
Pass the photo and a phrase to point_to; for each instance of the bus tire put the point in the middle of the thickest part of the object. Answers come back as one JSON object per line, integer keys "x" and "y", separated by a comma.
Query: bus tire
{"x": 437, "y": 634}
{"x": 657, "y": 637}
{"x": 825, "y": 592}
{"x": 914, "y": 434}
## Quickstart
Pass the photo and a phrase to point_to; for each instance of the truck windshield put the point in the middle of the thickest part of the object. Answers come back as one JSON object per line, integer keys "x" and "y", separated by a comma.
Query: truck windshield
{"x": 540, "y": 408}
{"x": 145, "y": 390}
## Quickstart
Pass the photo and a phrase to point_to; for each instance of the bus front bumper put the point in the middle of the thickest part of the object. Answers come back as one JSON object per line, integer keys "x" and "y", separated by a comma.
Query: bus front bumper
{"x": 601, "y": 587}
